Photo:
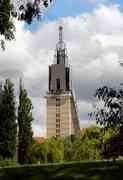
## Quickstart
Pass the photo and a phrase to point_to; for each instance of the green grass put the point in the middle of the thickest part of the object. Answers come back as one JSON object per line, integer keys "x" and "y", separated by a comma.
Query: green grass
{"x": 98, "y": 170}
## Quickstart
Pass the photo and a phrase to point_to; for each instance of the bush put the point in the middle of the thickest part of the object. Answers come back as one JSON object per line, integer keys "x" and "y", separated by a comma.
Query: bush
{"x": 7, "y": 162}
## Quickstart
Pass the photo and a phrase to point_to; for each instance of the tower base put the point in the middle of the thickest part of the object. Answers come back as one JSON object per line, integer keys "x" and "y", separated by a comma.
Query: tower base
{"x": 62, "y": 116}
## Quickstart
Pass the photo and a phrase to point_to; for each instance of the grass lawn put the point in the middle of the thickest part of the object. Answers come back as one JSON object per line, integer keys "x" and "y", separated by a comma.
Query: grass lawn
{"x": 98, "y": 170}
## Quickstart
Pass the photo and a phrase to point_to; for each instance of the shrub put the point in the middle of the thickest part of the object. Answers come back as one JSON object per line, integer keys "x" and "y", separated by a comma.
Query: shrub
{"x": 7, "y": 162}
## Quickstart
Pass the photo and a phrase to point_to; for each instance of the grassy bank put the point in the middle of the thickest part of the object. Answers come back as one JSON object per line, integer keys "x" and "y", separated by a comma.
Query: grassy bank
{"x": 83, "y": 170}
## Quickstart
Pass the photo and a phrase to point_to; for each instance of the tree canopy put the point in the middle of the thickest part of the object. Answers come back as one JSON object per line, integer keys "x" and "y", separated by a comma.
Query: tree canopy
{"x": 109, "y": 108}
{"x": 23, "y": 10}
{"x": 109, "y": 114}
{"x": 8, "y": 124}
{"x": 24, "y": 125}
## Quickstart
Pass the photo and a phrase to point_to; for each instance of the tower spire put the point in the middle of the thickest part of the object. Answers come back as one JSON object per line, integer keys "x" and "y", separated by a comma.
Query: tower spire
{"x": 61, "y": 53}
{"x": 60, "y": 33}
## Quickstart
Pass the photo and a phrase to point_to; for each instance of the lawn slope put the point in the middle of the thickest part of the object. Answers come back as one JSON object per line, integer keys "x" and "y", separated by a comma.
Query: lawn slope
{"x": 100, "y": 170}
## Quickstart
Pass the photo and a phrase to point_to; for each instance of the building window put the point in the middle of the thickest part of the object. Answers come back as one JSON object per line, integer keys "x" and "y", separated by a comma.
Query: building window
{"x": 57, "y": 99}
{"x": 58, "y": 84}
{"x": 49, "y": 78}
{"x": 57, "y": 120}
{"x": 57, "y": 131}
{"x": 67, "y": 79}
{"x": 57, "y": 102}
{"x": 57, "y": 125}
{"x": 57, "y": 114}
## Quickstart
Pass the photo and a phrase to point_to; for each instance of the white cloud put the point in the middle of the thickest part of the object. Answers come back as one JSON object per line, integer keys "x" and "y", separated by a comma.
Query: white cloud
{"x": 87, "y": 123}
{"x": 95, "y": 43}
{"x": 39, "y": 112}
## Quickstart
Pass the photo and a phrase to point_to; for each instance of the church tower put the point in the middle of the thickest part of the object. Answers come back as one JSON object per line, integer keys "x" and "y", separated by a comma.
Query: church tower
{"x": 62, "y": 115}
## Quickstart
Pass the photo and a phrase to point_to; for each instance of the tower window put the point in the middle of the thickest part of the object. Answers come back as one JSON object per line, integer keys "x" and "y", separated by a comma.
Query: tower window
{"x": 57, "y": 103}
{"x": 58, "y": 57}
{"x": 58, "y": 131}
{"x": 67, "y": 79}
{"x": 58, "y": 84}
{"x": 58, "y": 120}
{"x": 58, "y": 126}
{"x": 49, "y": 78}
{"x": 57, "y": 114}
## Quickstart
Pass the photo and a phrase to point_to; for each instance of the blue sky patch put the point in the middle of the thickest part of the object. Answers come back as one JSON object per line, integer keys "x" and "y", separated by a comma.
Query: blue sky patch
{"x": 64, "y": 8}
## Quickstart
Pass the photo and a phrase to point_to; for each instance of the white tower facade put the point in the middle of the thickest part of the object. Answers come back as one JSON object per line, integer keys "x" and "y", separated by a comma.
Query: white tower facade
{"x": 62, "y": 115}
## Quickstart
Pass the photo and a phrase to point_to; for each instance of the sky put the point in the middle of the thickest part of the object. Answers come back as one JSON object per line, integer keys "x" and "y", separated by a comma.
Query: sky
{"x": 93, "y": 33}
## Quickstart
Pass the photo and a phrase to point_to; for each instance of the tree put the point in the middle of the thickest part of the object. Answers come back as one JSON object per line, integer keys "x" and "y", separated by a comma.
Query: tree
{"x": 68, "y": 149}
{"x": 50, "y": 151}
{"x": 8, "y": 124}
{"x": 109, "y": 109}
{"x": 87, "y": 147}
{"x": 71, "y": 148}
{"x": 55, "y": 150}
{"x": 24, "y": 126}
{"x": 6, "y": 25}
{"x": 38, "y": 153}
{"x": 109, "y": 114}
{"x": 24, "y": 10}
{"x": 27, "y": 10}
{"x": 113, "y": 147}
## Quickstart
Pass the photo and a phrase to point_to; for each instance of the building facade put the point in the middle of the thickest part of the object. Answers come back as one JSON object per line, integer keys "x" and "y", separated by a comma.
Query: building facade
{"x": 62, "y": 115}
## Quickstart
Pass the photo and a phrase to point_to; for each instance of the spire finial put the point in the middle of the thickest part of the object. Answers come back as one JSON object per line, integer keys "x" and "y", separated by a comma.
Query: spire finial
{"x": 60, "y": 33}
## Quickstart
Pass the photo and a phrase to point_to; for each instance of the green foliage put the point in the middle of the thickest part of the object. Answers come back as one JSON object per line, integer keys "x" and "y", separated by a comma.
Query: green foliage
{"x": 8, "y": 121}
{"x": 38, "y": 153}
{"x": 53, "y": 150}
{"x": 109, "y": 134}
{"x": 6, "y": 24}
{"x": 113, "y": 147}
{"x": 25, "y": 10}
{"x": 25, "y": 126}
{"x": 87, "y": 147}
{"x": 7, "y": 162}
{"x": 28, "y": 10}
{"x": 109, "y": 114}
{"x": 109, "y": 109}
{"x": 68, "y": 149}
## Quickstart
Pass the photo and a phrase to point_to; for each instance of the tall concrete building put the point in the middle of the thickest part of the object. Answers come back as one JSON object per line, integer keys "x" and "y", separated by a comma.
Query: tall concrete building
{"x": 62, "y": 115}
